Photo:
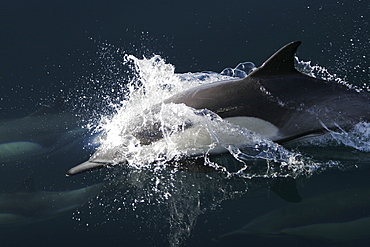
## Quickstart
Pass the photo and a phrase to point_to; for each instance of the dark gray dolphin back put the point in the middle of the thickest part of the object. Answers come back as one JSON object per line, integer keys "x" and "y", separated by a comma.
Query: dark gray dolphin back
{"x": 297, "y": 104}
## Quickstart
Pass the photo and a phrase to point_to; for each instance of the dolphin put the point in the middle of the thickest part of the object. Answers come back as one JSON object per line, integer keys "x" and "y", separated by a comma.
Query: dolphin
{"x": 27, "y": 205}
{"x": 44, "y": 131}
{"x": 335, "y": 216}
{"x": 275, "y": 100}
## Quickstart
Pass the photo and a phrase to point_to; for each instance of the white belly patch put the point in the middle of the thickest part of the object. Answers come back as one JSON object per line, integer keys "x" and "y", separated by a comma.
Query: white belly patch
{"x": 198, "y": 139}
{"x": 257, "y": 125}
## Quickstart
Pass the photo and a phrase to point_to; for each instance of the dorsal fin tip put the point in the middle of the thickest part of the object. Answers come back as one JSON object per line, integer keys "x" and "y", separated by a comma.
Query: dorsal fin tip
{"x": 281, "y": 62}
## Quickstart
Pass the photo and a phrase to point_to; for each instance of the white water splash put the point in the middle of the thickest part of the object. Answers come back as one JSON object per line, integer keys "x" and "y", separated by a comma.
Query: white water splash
{"x": 320, "y": 72}
{"x": 209, "y": 133}
{"x": 149, "y": 178}
{"x": 358, "y": 137}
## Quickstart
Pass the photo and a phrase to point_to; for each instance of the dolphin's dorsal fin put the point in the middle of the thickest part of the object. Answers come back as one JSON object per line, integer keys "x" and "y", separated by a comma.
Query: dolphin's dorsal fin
{"x": 286, "y": 188}
{"x": 54, "y": 107}
{"x": 27, "y": 186}
{"x": 281, "y": 63}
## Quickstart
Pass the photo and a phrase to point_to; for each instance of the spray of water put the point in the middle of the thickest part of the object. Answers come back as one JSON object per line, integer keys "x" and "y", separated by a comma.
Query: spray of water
{"x": 150, "y": 179}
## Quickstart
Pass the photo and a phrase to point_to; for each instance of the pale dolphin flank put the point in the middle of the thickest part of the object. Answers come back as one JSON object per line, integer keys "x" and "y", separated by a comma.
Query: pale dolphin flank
{"x": 26, "y": 205}
{"x": 336, "y": 216}
{"x": 43, "y": 131}
{"x": 275, "y": 100}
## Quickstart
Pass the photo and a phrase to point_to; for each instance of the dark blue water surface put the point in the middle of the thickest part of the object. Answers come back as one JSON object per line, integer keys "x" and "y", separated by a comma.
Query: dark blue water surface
{"x": 51, "y": 49}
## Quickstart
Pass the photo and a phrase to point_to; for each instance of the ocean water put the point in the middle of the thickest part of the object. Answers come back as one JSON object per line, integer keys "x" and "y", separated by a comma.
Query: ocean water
{"x": 110, "y": 61}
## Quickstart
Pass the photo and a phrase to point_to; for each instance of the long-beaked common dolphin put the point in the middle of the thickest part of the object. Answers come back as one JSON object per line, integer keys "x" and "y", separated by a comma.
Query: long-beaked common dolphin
{"x": 335, "y": 216}
{"x": 275, "y": 100}
{"x": 27, "y": 205}
{"x": 44, "y": 131}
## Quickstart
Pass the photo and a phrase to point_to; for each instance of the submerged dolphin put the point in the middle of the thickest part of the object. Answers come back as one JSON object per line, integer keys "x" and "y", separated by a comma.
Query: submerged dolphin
{"x": 340, "y": 215}
{"x": 43, "y": 131}
{"x": 275, "y": 100}
{"x": 26, "y": 204}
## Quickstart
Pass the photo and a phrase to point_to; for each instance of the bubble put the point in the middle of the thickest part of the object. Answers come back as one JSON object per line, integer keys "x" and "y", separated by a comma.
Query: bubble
{"x": 247, "y": 67}
{"x": 227, "y": 72}
{"x": 240, "y": 71}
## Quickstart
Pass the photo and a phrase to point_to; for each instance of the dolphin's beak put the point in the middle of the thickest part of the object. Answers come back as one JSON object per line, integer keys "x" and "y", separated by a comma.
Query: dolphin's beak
{"x": 86, "y": 166}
